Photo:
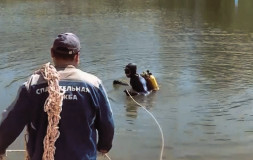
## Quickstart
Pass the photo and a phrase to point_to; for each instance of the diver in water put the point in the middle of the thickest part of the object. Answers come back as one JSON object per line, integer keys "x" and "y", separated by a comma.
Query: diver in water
{"x": 137, "y": 82}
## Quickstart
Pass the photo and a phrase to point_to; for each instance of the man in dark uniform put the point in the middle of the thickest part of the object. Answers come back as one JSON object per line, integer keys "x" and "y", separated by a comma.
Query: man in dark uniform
{"x": 86, "y": 125}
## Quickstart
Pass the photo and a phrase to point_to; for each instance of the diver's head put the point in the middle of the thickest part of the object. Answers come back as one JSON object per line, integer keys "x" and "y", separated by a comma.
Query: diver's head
{"x": 130, "y": 69}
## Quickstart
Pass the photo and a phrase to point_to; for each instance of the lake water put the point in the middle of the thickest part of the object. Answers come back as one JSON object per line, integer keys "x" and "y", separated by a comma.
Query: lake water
{"x": 200, "y": 51}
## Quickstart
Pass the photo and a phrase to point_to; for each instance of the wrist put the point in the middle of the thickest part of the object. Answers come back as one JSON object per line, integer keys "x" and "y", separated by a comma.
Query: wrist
{"x": 103, "y": 151}
{"x": 2, "y": 156}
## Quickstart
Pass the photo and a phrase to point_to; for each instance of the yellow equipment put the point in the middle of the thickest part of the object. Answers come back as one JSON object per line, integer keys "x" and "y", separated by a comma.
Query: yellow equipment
{"x": 151, "y": 81}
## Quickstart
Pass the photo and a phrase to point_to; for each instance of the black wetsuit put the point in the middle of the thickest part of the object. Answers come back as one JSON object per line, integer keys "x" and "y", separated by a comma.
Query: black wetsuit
{"x": 138, "y": 83}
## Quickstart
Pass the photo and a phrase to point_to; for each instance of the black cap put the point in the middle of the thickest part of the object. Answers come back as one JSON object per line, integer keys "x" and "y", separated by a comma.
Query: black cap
{"x": 67, "y": 43}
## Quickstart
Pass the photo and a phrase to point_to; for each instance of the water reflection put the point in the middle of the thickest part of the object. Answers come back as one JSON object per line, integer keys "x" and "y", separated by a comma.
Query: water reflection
{"x": 200, "y": 52}
{"x": 131, "y": 109}
{"x": 145, "y": 101}
{"x": 236, "y": 3}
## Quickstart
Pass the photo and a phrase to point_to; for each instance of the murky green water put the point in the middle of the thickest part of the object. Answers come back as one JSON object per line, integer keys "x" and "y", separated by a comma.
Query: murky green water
{"x": 200, "y": 51}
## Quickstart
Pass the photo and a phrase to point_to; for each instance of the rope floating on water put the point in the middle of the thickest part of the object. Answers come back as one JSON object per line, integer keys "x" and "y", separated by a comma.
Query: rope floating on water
{"x": 17, "y": 150}
{"x": 160, "y": 128}
{"x": 107, "y": 156}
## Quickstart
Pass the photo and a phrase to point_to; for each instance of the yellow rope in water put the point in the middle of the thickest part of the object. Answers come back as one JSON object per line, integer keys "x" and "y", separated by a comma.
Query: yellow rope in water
{"x": 160, "y": 128}
{"x": 107, "y": 156}
{"x": 53, "y": 107}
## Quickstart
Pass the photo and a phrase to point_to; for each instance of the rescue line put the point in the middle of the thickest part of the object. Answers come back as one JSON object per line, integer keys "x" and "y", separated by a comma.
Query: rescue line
{"x": 159, "y": 126}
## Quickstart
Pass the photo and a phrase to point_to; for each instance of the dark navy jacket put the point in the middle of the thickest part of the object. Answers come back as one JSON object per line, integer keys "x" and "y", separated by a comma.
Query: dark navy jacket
{"x": 86, "y": 119}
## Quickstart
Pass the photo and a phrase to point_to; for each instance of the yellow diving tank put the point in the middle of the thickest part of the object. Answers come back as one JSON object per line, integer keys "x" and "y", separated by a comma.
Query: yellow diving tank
{"x": 153, "y": 82}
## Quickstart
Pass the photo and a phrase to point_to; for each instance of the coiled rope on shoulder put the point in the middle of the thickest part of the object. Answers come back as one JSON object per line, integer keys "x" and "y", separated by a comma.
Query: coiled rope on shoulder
{"x": 53, "y": 107}
{"x": 160, "y": 128}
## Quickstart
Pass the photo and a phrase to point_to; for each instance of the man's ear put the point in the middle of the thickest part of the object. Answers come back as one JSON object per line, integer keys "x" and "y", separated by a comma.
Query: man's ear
{"x": 52, "y": 53}
{"x": 77, "y": 58}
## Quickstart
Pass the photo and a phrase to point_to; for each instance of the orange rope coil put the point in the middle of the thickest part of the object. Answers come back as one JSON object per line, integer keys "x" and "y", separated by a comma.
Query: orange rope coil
{"x": 53, "y": 107}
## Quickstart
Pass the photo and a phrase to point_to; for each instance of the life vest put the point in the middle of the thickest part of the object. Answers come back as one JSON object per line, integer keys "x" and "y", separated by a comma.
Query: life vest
{"x": 151, "y": 81}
